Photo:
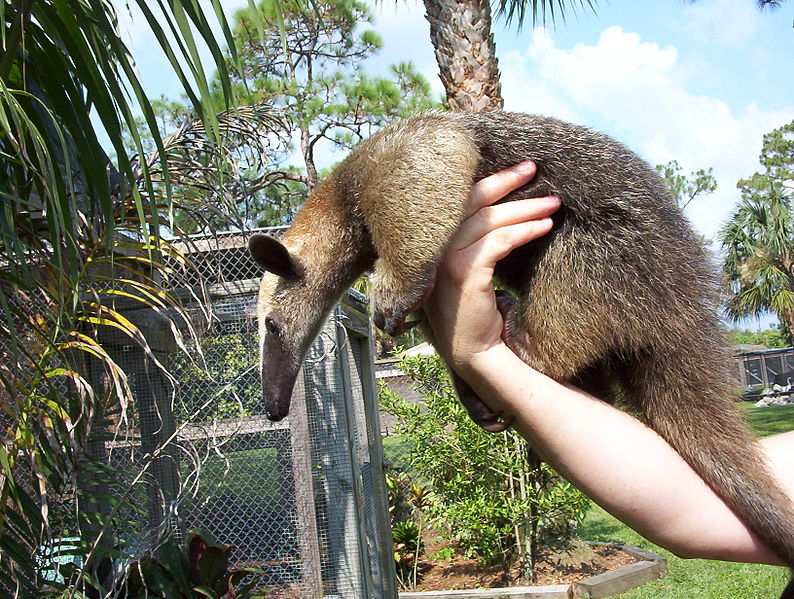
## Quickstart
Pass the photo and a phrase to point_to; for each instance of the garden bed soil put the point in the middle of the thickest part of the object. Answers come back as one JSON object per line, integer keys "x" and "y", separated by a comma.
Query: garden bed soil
{"x": 566, "y": 564}
{"x": 556, "y": 565}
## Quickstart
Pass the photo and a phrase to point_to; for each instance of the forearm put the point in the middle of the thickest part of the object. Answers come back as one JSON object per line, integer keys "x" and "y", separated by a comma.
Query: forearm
{"x": 616, "y": 460}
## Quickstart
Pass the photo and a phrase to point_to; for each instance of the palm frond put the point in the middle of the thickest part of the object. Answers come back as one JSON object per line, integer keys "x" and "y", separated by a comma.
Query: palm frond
{"x": 758, "y": 245}
{"x": 768, "y": 4}
{"x": 541, "y": 11}
{"x": 782, "y": 301}
{"x": 80, "y": 233}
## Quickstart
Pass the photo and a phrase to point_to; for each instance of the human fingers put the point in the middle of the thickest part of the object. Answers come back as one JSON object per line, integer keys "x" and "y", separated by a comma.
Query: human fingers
{"x": 474, "y": 264}
{"x": 491, "y": 189}
{"x": 497, "y": 244}
{"x": 490, "y": 218}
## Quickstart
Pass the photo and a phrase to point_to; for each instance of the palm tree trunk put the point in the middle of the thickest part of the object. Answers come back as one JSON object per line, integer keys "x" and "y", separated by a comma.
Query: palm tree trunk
{"x": 787, "y": 318}
{"x": 466, "y": 53}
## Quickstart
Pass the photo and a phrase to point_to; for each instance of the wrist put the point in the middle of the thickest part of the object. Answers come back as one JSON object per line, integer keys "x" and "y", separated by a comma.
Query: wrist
{"x": 488, "y": 364}
{"x": 502, "y": 380}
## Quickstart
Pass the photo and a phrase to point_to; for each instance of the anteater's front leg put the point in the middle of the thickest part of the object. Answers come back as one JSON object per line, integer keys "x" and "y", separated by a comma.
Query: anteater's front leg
{"x": 402, "y": 284}
{"x": 400, "y": 288}
{"x": 412, "y": 204}
{"x": 411, "y": 237}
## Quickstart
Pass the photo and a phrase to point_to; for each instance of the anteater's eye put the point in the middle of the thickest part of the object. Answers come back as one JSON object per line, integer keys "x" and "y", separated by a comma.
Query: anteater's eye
{"x": 271, "y": 326}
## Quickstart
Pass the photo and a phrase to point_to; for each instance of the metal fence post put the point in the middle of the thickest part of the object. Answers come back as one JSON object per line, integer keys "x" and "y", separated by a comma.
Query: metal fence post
{"x": 308, "y": 538}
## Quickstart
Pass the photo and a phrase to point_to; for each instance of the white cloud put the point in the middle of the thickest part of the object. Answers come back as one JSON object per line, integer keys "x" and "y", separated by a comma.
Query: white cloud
{"x": 636, "y": 91}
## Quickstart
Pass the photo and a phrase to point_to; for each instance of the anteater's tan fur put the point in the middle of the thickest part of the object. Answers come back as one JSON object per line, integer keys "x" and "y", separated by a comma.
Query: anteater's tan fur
{"x": 619, "y": 298}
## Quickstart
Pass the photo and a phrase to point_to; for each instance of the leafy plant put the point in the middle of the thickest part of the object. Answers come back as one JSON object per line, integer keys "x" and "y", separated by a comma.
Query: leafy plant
{"x": 408, "y": 546}
{"x": 81, "y": 243}
{"x": 407, "y": 500}
{"x": 771, "y": 338}
{"x": 397, "y": 486}
{"x": 445, "y": 554}
{"x": 195, "y": 569}
{"x": 485, "y": 493}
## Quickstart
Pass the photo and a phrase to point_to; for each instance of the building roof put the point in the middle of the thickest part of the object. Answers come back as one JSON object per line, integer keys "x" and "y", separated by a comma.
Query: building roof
{"x": 760, "y": 350}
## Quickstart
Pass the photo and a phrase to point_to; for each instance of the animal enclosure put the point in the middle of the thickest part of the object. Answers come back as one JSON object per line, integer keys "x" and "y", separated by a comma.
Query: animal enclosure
{"x": 304, "y": 498}
{"x": 766, "y": 367}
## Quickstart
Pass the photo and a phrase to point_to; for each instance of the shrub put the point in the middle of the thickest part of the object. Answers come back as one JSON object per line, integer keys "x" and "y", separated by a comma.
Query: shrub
{"x": 487, "y": 494}
{"x": 407, "y": 500}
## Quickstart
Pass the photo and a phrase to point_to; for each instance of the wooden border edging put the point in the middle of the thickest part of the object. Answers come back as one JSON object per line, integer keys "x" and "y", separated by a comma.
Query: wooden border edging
{"x": 557, "y": 591}
{"x": 650, "y": 567}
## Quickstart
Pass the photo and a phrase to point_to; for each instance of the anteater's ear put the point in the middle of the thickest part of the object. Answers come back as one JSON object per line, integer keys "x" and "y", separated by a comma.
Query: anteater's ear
{"x": 271, "y": 255}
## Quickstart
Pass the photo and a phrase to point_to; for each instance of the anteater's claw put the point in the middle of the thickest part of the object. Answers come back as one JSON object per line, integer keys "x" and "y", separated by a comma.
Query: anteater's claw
{"x": 497, "y": 424}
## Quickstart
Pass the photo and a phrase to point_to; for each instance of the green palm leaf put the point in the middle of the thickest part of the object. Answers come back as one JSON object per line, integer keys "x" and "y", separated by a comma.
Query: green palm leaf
{"x": 758, "y": 242}
{"x": 541, "y": 11}
{"x": 67, "y": 80}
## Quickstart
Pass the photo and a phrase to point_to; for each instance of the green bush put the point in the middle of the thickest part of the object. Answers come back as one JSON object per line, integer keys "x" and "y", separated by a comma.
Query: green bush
{"x": 408, "y": 546}
{"x": 407, "y": 501}
{"x": 485, "y": 494}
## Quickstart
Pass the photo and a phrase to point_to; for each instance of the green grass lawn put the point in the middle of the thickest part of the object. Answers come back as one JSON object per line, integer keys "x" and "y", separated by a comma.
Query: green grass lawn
{"x": 770, "y": 420}
{"x": 688, "y": 578}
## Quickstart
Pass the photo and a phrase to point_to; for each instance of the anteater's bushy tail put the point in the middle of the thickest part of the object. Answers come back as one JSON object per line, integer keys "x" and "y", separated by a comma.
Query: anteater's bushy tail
{"x": 679, "y": 392}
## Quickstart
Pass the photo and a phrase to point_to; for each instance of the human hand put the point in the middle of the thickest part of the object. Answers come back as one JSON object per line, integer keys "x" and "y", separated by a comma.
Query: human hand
{"x": 462, "y": 310}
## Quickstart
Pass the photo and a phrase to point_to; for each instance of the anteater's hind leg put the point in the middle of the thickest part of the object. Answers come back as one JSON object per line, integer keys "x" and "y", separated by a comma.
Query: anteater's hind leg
{"x": 572, "y": 353}
{"x": 594, "y": 379}
{"x": 479, "y": 412}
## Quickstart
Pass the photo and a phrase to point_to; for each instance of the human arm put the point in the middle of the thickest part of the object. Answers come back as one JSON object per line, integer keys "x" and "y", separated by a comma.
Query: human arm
{"x": 619, "y": 462}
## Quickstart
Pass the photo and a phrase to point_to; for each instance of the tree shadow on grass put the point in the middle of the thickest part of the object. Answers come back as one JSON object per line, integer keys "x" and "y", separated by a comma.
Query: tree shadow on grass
{"x": 600, "y": 526}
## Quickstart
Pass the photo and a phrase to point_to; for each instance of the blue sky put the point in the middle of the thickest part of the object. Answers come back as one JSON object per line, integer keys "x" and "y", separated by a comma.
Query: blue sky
{"x": 696, "y": 82}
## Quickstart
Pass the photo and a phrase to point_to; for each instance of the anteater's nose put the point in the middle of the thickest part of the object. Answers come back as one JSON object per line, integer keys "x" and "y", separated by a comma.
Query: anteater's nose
{"x": 274, "y": 415}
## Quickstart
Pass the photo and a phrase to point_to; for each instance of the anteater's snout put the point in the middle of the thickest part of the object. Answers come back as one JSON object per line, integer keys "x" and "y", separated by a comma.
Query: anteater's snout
{"x": 277, "y": 386}
{"x": 274, "y": 414}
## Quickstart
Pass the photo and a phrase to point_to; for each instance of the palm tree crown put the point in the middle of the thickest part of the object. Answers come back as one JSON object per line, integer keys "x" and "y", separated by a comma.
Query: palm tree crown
{"x": 759, "y": 254}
